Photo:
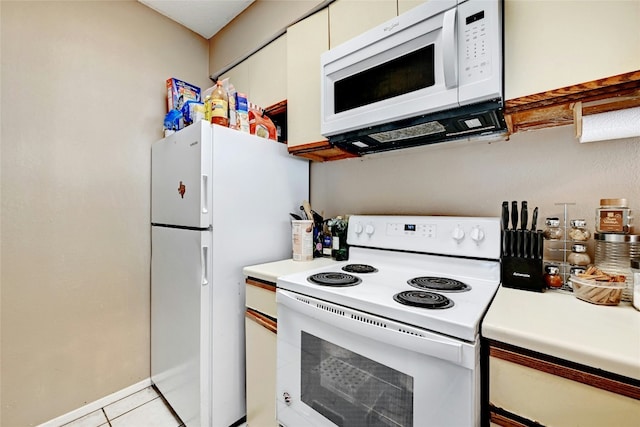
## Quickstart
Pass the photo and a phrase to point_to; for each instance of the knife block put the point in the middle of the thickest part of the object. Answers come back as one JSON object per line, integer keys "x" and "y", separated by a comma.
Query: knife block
{"x": 522, "y": 273}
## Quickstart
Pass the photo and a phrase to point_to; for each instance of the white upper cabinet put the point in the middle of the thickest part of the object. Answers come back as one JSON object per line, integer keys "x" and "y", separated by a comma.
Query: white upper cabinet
{"x": 306, "y": 41}
{"x": 553, "y": 44}
{"x": 268, "y": 73}
{"x": 239, "y": 77}
{"x": 404, "y": 5}
{"x": 263, "y": 76}
{"x": 349, "y": 18}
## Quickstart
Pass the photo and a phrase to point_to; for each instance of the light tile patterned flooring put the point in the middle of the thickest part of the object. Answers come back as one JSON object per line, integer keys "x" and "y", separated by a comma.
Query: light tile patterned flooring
{"x": 145, "y": 408}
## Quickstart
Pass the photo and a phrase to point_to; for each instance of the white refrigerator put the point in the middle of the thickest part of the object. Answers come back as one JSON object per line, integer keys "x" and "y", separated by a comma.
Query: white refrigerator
{"x": 220, "y": 200}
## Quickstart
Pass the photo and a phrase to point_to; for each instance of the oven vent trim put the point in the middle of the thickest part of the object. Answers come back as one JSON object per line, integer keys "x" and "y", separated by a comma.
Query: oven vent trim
{"x": 331, "y": 309}
{"x": 415, "y": 334}
{"x": 368, "y": 321}
{"x": 304, "y": 300}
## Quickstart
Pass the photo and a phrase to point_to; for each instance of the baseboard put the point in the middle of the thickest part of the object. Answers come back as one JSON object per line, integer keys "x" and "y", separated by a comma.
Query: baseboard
{"x": 94, "y": 406}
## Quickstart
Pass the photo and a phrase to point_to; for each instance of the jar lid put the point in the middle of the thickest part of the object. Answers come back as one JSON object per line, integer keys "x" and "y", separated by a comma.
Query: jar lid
{"x": 617, "y": 238}
{"x": 635, "y": 263}
{"x": 577, "y": 270}
{"x": 614, "y": 202}
{"x": 552, "y": 269}
{"x": 552, "y": 222}
{"x": 579, "y": 247}
{"x": 578, "y": 223}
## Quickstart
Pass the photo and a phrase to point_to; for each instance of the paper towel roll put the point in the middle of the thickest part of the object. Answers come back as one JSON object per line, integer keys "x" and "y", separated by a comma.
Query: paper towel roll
{"x": 612, "y": 125}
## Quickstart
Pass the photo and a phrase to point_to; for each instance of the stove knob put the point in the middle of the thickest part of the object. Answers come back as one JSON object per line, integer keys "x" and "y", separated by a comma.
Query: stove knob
{"x": 359, "y": 228}
{"x": 477, "y": 234}
{"x": 369, "y": 229}
{"x": 458, "y": 234}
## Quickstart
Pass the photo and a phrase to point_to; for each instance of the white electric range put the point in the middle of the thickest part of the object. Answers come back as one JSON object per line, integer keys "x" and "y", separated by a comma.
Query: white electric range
{"x": 383, "y": 338}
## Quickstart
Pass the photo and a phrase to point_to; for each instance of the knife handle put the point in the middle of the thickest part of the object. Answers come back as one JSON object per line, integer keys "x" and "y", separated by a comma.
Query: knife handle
{"x": 514, "y": 215}
{"x": 533, "y": 244}
{"x": 540, "y": 244}
{"x": 505, "y": 215}
{"x": 534, "y": 220}
{"x": 505, "y": 243}
{"x": 524, "y": 216}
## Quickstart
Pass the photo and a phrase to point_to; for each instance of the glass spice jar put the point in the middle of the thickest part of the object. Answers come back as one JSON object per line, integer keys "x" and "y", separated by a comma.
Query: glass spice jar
{"x": 579, "y": 255}
{"x": 613, "y": 216}
{"x": 579, "y": 231}
{"x": 552, "y": 230}
{"x": 552, "y": 276}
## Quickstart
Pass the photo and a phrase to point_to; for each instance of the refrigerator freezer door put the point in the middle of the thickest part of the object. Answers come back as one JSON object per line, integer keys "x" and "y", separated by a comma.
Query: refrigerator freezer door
{"x": 181, "y": 321}
{"x": 181, "y": 178}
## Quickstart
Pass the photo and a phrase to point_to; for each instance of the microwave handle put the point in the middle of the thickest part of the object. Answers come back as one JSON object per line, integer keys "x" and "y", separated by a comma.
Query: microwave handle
{"x": 449, "y": 49}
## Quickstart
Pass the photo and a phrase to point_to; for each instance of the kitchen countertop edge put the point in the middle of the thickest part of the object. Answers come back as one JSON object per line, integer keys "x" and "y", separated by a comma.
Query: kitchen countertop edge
{"x": 562, "y": 326}
{"x": 270, "y": 271}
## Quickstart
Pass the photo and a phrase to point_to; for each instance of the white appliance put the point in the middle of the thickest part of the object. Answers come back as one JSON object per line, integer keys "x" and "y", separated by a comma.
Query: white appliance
{"x": 432, "y": 74}
{"x": 220, "y": 200}
{"x": 354, "y": 350}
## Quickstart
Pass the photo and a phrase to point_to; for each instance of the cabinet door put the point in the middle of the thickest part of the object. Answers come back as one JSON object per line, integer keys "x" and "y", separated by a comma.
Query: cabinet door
{"x": 306, "y": 41}
{"x": 349, "y": 18}
{"x": 268, "y": 73}
{"x": 549, "y": 45}
{"x": 404, "y": 5}
{"x": 261, "y": 374}
{"x": 554, "y": 400}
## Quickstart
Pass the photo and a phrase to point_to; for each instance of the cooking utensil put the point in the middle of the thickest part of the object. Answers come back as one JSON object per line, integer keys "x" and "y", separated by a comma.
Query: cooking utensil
{"x": 514, "y": 215}
{"x": 534, "y": 220}
{"x": 317, "y": 218}
{"x": 296, "y": 217}
{"x": 307, "y": 209}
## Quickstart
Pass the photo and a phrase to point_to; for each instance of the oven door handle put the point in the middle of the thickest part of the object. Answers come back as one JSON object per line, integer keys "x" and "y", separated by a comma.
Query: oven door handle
{"x": 379, "y": 329}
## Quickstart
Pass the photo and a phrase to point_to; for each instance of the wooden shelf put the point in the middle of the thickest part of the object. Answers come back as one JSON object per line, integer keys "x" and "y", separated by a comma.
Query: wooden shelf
{"x": 320, "y": 151}
{"x": 555, "y": 107}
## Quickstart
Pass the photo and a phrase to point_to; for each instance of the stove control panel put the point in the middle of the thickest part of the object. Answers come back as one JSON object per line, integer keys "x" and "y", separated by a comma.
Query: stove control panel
{"x": 459, "y": 236}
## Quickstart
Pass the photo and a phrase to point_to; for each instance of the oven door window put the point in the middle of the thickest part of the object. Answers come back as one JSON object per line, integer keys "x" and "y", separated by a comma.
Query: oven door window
{"x": 408, "y": 73}
{"x": 352, "y": 390}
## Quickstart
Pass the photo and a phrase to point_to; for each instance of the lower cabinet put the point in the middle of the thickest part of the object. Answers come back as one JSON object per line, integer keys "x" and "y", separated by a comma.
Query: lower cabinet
{"x": 260, "y": 333}
{"x": 528, "y": 388}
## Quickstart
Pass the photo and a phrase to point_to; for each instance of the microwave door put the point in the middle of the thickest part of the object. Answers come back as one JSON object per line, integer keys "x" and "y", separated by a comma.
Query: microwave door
{"x": 410, "y": 72}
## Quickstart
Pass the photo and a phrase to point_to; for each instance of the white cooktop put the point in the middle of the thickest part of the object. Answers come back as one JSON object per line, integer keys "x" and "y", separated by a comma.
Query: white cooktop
{"x": 374, "y": 295}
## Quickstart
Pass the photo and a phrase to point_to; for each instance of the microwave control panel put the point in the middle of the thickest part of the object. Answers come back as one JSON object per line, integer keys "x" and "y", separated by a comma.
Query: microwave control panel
{"x": 477, "y": 61}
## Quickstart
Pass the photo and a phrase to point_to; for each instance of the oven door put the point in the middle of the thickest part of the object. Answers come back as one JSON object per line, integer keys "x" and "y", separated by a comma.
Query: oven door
{"x": 339, "y": 367}
{"x": 401, "y": 69}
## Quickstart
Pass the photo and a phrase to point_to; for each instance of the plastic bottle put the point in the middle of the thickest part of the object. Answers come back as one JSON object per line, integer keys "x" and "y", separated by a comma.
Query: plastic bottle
{"x": 220, "y": 105}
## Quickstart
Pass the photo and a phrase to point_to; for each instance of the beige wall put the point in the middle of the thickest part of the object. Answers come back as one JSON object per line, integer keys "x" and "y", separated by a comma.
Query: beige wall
{"x": 82, "y": 99}
{"x": 473, "y": 178}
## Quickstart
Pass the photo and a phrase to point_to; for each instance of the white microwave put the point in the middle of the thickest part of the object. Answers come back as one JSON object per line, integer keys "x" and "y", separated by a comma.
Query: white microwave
{"x": 432, "y": 74}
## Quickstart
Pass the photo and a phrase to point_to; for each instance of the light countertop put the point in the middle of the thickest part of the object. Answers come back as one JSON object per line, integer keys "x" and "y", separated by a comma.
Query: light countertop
{"x": 270, "y": 271}
{"x": 559, "y": 324}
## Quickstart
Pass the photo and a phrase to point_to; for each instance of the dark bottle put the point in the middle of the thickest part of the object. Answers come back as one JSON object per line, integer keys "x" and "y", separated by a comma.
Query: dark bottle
{"x": 340, "y": 251}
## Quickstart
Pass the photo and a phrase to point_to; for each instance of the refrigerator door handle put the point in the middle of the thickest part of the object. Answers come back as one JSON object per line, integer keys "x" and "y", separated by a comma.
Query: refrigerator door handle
{"x": 205, "y": 265}
{"x": 205, "y": 194}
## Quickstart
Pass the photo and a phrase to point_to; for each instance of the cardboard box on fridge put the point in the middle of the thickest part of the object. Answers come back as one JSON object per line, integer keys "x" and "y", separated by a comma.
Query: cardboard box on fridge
{"x": 179, "y": 92}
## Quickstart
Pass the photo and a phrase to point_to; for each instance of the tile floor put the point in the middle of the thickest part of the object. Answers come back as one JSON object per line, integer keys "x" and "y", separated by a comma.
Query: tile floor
{"x": 145, "y": 408}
